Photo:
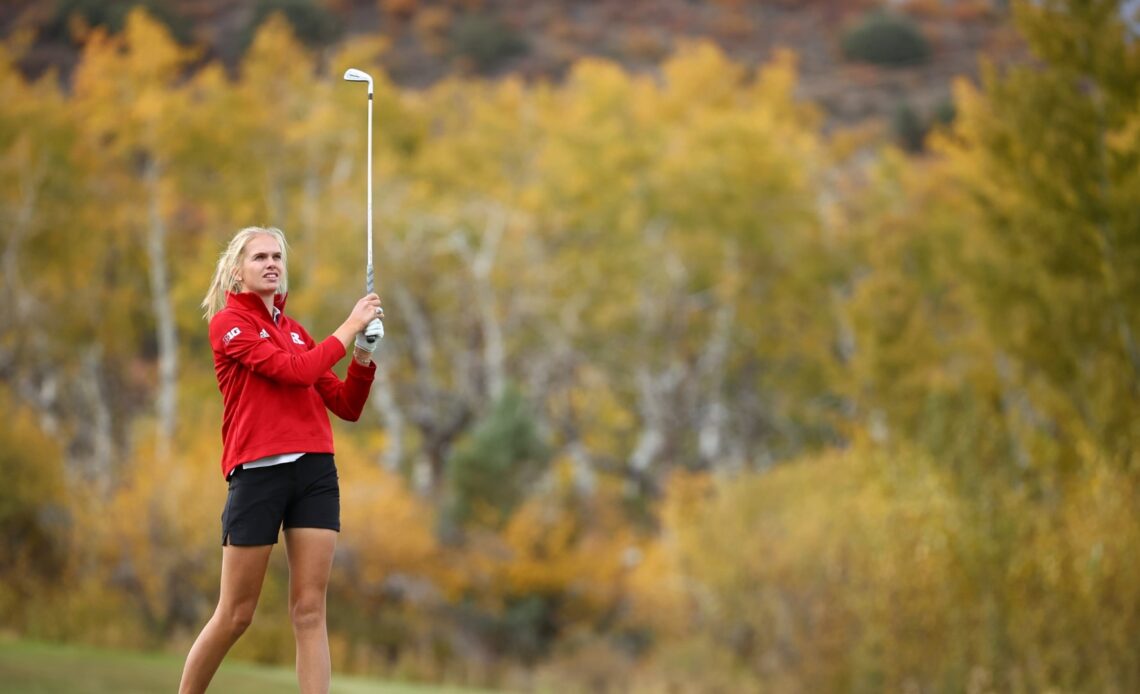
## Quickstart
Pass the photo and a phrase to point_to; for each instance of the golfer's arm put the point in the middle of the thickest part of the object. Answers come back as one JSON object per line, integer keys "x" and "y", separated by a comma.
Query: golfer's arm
{"x": 346, "y": 398}
{"x": 347, "y": 336}
{"x": 266, "y": 359}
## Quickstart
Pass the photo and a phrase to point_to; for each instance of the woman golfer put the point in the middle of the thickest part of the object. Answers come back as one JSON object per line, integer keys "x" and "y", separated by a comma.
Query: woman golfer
{"x": 277, "y": 448}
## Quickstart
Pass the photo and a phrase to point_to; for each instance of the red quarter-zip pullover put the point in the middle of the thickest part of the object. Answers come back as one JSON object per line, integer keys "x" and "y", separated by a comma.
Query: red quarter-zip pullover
{"x": 276, "y": 383}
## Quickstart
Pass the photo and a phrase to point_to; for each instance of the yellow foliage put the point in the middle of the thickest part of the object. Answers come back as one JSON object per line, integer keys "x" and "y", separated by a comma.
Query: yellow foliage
{"x": 30, "y": 460}
{"x": 387, "y": 528}
{"x": 575, "y": 551}
{"x": 605, "y": 420}
{"x": 33, "y": 530}
{"x": 124, "y": 84}
{"x": 867, "y": 566}
{"x": 822, "y": 563}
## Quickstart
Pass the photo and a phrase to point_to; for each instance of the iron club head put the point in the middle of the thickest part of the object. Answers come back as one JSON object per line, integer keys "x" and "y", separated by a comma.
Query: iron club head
{"x": 354, "y": 75}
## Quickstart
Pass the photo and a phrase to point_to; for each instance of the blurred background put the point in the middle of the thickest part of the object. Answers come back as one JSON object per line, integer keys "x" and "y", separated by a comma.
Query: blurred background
{"x": 737, "y": 345}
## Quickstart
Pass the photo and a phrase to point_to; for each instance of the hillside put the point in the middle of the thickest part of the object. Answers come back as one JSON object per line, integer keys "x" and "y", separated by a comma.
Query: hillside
{"x": 431, "y": 39}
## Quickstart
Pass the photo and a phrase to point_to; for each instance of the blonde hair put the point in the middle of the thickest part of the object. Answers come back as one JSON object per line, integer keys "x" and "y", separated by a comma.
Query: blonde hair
{"x": 226, "y": 275}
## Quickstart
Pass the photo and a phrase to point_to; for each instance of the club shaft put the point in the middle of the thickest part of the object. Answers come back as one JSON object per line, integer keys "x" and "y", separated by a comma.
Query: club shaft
{"x": 369, "y": 279}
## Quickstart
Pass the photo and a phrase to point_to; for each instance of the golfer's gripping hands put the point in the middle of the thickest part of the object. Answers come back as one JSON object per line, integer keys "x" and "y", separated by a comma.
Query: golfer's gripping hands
{"x": 368, "y": 339}
{"x": 366, "y": 310}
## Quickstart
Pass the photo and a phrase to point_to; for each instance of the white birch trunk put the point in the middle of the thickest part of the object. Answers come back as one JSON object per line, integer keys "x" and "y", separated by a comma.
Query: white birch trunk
{"x": 166, "y": 400}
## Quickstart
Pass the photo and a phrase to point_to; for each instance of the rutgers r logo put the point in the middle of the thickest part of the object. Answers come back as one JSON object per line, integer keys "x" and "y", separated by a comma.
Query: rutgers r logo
{"x": 297, "y": 339}
{"x": 231, "y": 335}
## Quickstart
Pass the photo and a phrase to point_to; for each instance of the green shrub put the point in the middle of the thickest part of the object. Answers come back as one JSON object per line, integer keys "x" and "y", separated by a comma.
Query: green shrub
{"x": 945, "y": 112}
{"x": 312, "y": 24}
{"x": 490, "y": 470}
{"x": 908, "y": 127}
{"x": 883, "y": 38}
{"x": 486, "y": 40}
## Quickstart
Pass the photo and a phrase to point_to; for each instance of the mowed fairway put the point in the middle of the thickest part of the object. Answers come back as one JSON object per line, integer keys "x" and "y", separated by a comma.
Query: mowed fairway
{"x": 36, "y": 668}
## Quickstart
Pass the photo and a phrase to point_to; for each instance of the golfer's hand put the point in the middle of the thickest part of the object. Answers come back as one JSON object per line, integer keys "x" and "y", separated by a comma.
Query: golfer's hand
{"x": 371, "y": 336}
{"x": 366, "y": 310}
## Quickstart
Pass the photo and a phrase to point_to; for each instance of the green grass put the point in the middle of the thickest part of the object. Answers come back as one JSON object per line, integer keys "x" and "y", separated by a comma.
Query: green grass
{"x": 39, "y": 668}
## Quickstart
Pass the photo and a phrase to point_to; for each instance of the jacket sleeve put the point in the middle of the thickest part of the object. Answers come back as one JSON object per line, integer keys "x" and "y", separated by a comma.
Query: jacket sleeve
{"x": 346, "y": 398}
{"x": 237, "y": 337}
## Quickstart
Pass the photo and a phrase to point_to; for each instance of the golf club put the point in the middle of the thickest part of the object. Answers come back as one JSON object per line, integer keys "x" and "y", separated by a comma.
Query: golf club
{"x": 354, "y": 75}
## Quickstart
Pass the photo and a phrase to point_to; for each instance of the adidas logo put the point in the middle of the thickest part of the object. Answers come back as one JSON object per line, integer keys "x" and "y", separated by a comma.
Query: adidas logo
{"x": 263, "y": 333}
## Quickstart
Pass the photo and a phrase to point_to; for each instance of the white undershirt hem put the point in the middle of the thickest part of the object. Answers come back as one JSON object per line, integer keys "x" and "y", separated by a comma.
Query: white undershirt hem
{"x": 272, "y": 460}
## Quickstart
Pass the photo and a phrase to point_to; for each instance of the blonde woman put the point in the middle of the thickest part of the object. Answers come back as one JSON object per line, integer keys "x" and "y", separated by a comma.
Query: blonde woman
{"x": 277, "y": 448}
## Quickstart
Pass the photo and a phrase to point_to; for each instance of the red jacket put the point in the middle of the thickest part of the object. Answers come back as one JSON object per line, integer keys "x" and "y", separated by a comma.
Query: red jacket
{"x": 276, "y": 383}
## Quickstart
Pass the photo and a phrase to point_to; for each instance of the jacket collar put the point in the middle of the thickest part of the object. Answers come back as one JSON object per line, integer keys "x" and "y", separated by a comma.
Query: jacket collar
{"x": 248, "y": 301}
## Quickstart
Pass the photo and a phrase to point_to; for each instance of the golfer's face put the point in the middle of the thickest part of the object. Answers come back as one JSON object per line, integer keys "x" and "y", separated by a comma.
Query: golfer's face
{"x": 262, "y": 265}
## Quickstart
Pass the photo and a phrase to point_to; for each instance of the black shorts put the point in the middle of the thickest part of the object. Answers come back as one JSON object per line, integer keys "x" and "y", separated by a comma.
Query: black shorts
{"x": 302, "y": 494}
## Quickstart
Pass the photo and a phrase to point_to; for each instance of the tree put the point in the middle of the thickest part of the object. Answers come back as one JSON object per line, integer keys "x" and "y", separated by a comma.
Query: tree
{"x": 132, "y": 115}
{"x": 33, "y": 514}
{"x": 1048, "y": 161}
{"x": 492, "y": 471}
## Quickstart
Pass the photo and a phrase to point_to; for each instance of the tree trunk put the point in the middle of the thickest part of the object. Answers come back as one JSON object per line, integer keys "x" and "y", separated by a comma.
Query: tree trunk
{"x": 481, "y": 265}
{"x": 166, "y": 399}
{"x": 95, "y": 434}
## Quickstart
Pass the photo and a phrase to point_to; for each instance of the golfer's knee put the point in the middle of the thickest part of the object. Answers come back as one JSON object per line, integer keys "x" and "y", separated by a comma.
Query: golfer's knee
{"x": 237, "y": 619}
{"x": 308, "y": 613}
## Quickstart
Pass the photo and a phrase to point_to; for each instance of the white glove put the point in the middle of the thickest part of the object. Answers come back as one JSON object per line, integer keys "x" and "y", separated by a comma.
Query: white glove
{"x": 371, "y": 336}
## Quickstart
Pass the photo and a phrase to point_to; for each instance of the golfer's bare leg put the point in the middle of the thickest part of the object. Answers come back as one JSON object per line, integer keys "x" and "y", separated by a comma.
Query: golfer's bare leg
{"x": 243, "y": 571}
{"x": 310, "y": 561}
